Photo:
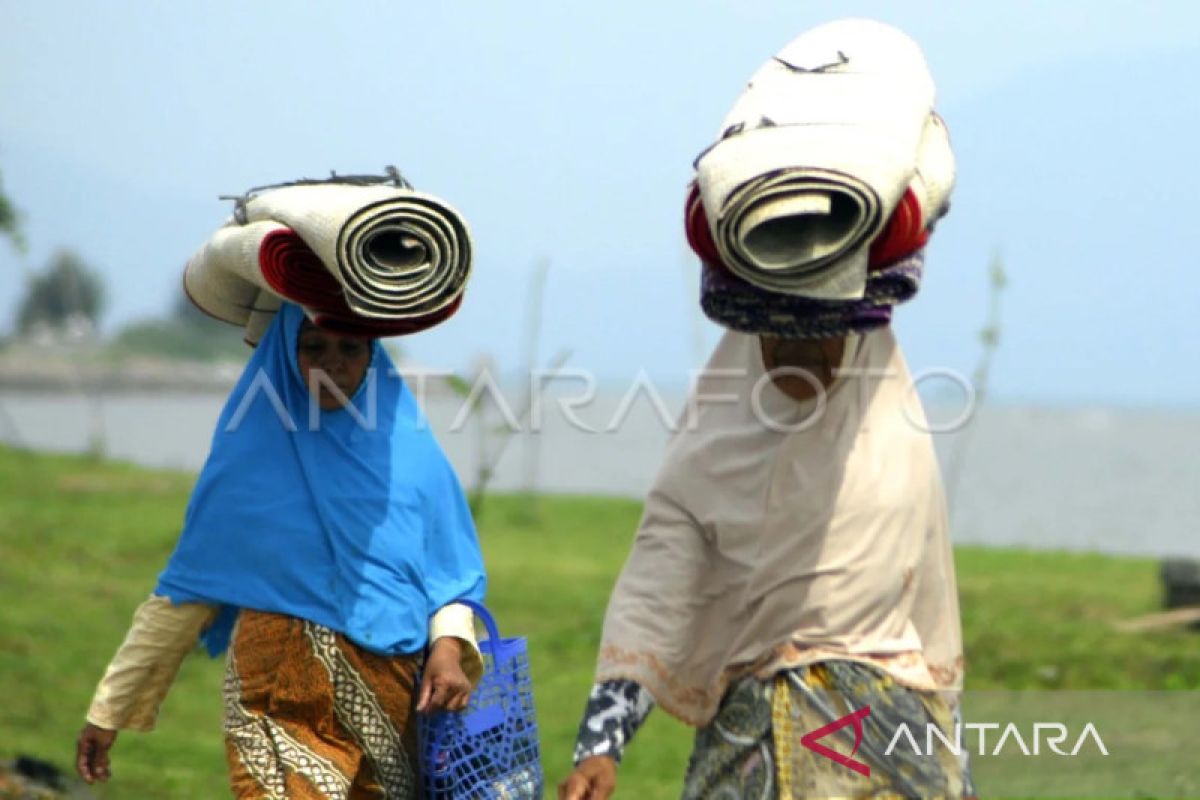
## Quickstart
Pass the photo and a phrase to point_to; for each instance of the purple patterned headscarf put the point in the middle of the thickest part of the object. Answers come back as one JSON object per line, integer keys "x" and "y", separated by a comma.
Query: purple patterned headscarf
{"x": 736, "y": 304}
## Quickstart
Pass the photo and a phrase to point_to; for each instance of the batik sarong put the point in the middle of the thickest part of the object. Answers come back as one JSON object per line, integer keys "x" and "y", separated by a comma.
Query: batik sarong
{"x": 752, "y": 749}
{"x": 309, "y": 715}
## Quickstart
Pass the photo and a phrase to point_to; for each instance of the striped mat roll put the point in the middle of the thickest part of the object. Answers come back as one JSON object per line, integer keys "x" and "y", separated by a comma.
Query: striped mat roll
{"x": 396, "y": 253}
{"x": 223, "y": 278}
{"x": 362, "y": 260}
{"x": 291, "y": 269}
{"x": 814, "y": 157}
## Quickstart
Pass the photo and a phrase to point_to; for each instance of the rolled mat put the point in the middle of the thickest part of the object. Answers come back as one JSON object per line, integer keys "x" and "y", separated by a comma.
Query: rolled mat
{"x": 895, "y": 267}
{"x": 223, "y": 277}
{"x": 243, "y": 272}
{"x": 394, "y": 261}
{"x": 905, "y": 233}
{"x": 815, "y": 156}
{"x": 394, "y": 252}
{"x": 291, "y": 269}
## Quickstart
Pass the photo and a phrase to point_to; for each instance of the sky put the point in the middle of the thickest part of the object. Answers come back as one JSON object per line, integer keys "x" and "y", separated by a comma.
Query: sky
{"x": 565, "y": 132}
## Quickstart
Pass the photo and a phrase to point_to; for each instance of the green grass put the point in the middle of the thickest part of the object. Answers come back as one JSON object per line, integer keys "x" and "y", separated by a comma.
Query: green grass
{"x": 81, "y": 543}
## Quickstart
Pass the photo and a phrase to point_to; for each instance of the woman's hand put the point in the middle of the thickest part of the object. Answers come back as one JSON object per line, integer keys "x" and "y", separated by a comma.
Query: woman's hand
{"x": 91, "y": 753}
{"x": 445, "y": 686}
{"x": 594, "y": 779}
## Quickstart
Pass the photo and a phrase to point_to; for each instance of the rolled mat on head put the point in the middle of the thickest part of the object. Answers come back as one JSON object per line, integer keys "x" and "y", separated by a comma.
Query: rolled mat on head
{"x": 223, "y": 277}
{"x": 817, "y": 155}
{"x": 895, "y": 263}
{"x": 394, "y": 251}
{"x": 361, "y": 258}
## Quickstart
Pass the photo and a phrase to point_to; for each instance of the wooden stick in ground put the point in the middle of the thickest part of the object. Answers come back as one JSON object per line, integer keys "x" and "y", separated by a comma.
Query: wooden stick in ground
{"x": 1163, "y": 619}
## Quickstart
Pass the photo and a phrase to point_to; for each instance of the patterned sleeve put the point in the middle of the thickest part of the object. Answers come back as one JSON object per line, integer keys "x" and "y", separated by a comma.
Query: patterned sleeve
{"x": 615, "y": 710}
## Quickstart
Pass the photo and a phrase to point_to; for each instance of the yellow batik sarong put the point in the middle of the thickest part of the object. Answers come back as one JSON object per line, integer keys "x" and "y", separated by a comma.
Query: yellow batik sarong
{"x": 755, "y": 746}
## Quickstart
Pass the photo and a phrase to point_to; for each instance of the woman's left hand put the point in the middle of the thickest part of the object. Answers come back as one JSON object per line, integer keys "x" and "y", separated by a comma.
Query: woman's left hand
{"x": 445, "y": 686}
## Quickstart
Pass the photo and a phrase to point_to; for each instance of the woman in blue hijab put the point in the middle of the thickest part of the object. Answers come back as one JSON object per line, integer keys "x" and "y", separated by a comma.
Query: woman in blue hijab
{"x": 323, "y": 548}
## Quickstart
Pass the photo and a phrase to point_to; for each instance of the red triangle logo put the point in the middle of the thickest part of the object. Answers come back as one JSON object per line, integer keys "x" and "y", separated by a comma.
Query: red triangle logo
{"x": 809, "y": 740}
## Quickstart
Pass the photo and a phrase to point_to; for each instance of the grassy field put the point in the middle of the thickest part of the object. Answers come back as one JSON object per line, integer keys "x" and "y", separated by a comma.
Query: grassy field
{"x": 81, "y": 543}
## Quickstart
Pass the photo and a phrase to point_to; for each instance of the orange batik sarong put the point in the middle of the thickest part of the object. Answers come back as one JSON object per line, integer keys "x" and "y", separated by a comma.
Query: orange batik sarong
{"x": 310, "y": 715}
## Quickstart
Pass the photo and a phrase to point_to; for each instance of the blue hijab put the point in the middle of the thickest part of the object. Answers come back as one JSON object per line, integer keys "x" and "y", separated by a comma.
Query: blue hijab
{"x": 351, "y": 518}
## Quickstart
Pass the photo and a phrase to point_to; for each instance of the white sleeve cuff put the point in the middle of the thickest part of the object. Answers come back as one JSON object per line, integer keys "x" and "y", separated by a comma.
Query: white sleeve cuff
{"x": 458, "y": 621}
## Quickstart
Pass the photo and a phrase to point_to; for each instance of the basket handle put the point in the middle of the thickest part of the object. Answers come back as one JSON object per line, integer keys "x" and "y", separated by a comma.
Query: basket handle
{"x": 480, "y": 721}
{"x": 489, "y": 621}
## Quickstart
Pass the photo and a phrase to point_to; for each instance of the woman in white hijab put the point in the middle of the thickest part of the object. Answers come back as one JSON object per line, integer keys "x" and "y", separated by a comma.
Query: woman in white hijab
{"x": 792, "y": 566}
{"x": 791, "y": 588}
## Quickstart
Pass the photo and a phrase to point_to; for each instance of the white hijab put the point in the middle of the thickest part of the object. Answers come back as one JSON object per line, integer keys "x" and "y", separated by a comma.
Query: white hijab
{"x": 831, "y": 536}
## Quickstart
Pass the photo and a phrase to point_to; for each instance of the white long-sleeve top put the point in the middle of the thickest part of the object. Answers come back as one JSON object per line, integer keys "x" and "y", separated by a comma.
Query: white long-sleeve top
{"x": 162, "y": 634}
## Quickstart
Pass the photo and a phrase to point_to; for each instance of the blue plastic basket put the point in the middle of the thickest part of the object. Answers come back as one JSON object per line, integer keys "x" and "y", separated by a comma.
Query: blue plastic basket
{"x": 490, "y": 749}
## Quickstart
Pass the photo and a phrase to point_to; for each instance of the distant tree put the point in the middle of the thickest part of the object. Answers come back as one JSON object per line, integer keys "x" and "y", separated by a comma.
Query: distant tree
{"x": 9, "y": 219}
{"x": 66, "y": 293}
{"x": 186, "y": 333}
{"x": 989, "y": 338}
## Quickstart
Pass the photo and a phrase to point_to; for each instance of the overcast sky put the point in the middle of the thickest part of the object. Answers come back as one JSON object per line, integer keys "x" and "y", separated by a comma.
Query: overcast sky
{"x": 566, "y": 131}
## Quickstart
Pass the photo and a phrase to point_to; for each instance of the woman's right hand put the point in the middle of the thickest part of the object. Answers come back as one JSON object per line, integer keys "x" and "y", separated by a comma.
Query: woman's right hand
{"x": 594, "y": 778}
{"x": 91, "y": 753}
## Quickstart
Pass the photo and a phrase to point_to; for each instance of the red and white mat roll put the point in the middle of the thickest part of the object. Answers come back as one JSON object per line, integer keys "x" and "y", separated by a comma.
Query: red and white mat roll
{"x": 816, "y": 155}
{"x": 362, "y": 260}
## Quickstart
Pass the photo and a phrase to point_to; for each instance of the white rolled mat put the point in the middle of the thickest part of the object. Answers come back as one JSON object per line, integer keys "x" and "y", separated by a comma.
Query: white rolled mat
{"x": 224, "y": 278}
{"x": 814, "y": 156}
{"x": 396, "y": 252}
